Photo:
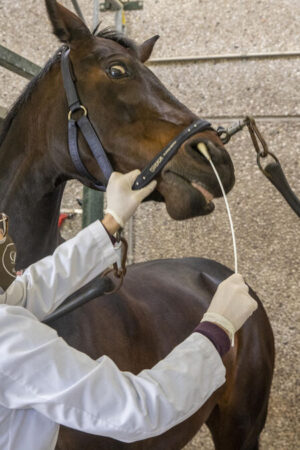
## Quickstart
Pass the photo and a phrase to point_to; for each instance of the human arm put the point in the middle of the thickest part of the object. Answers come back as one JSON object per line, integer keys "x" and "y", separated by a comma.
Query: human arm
{"x": 40, "y": 371}
{"x": 47, "y": 283}
{"x": 231, "y": 306}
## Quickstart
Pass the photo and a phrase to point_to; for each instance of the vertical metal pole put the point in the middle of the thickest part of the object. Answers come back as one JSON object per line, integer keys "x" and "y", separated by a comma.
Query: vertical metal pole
{"x": 119, "y": 15}
{"x": 118, "y": 20}
{"x": 78, "y": 10}
{"x": 130, "y": 240}
{"x": 96, "y": 14}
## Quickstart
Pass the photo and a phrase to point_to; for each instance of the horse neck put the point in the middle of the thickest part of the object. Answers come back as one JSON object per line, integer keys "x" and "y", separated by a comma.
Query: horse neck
{"x": 32, "y": 175}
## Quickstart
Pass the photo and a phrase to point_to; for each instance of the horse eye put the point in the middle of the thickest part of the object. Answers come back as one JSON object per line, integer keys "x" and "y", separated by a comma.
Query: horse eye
{"x": 117, "y": 71}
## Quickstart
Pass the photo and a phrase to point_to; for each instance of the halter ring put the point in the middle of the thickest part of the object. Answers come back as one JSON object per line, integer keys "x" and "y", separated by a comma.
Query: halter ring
{"x": 83, "y": 108}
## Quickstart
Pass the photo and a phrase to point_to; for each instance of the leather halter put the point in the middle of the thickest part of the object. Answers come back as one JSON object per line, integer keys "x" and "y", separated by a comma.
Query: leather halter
{"x": 94, "y": 143}
{"x": 86, "y": 128}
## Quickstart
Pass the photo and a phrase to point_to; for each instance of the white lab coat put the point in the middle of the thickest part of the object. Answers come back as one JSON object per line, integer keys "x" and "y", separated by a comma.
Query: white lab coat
{"x": 44, "y": 382}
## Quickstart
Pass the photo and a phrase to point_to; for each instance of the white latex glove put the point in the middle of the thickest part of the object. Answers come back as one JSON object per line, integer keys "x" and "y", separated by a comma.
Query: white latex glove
{"x": 122, "y": 201}
{"x": 231, "y": 305}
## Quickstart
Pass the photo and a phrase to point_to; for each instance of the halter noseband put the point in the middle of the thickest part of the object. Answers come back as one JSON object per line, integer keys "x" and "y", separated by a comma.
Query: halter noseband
{"x": 94, "y": 143}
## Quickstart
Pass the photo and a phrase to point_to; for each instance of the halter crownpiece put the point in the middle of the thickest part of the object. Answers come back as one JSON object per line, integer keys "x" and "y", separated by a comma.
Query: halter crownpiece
{"x": 95, "y": 145}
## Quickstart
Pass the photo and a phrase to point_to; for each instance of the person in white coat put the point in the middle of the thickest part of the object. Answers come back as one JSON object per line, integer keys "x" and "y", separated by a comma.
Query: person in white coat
{"x": 45, "y": 382}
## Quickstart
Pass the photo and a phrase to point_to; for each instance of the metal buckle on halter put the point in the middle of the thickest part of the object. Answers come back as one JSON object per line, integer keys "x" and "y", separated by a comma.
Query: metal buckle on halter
{"x": 225, "y": 134}
{"x": 4, "y": 221}
{"x": 83, "y": 108}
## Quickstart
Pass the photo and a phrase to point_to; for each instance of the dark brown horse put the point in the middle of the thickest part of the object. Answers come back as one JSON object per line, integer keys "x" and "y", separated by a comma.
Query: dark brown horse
{"x": 161, "y": 301}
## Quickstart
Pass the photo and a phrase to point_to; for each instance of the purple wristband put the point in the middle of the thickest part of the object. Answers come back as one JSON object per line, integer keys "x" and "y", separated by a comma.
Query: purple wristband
{"x": 216, "y": 335}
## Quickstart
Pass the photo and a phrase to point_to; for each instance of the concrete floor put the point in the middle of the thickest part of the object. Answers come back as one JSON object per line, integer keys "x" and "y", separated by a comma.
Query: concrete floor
{"x": 267, "y": 230}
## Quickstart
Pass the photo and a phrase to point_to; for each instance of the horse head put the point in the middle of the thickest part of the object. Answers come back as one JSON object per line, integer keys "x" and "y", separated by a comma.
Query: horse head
{"x": 135, "y": 116}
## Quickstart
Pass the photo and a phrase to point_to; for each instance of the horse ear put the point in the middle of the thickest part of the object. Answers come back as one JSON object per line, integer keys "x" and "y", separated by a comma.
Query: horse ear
{"x": 66, "y": 26}
{"x": 146, "y": 48}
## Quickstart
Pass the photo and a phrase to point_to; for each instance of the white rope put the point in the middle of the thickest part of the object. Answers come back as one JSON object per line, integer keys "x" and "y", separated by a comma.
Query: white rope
{"x": 202, "y": 148}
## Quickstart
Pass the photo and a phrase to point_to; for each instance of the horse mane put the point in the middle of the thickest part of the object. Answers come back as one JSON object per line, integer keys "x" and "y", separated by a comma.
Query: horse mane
{"x": 106, "y": 33}
{"x": 25, "y": 95}
{"x": 114, "y": 35}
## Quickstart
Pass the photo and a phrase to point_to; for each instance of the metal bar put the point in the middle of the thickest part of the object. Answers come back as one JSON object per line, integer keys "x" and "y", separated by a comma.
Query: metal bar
{"x": 17, "y": 64}
{"x": 229, "y": 57}
{"x": 71, "y": 211}
{"x": 111, "y": 5}
{"x": 260, "y": 118}
{"x": 116, "y": 4}
{"x": 128, "y": 5}
{"x": 96, "y": 14}
{"x": 119, "y": 20}
{"x": 3, "y": 113}
{"x": 78, "y": 10}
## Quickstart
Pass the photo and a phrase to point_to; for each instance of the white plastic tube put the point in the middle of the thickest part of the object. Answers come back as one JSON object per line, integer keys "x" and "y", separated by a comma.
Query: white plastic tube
{"x": 202, "y": 149}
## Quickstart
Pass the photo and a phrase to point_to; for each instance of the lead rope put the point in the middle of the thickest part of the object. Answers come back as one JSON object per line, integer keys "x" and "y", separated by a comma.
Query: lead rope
{"x": 273, "y": 171}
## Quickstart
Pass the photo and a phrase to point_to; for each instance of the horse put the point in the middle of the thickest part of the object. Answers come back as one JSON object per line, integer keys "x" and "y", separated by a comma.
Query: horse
{"x": 161, "y": 301}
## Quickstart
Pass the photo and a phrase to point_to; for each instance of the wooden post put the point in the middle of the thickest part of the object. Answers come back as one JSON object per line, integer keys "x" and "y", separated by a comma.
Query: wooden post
{"x": 92, "y": 206}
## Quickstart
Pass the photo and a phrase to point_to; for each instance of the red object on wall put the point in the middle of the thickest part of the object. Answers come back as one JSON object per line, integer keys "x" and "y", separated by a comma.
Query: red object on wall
{"x": 62, "y": 218}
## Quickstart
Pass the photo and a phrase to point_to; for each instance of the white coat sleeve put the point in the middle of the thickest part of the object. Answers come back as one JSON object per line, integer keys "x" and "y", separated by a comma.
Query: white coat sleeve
{"x": 47, "y": 283}
{"x": 39, "y": 370}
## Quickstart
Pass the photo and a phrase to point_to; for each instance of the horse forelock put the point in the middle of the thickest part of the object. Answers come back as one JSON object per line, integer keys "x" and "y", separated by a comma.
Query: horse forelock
{"x": 113, "y": 35}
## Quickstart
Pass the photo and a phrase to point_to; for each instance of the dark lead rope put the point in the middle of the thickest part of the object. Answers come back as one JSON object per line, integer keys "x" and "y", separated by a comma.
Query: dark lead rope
{"x": 92, "y": 139}
{"x": 273, "y": 171}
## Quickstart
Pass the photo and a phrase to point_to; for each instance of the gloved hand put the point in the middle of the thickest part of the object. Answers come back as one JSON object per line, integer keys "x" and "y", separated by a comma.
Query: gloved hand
{"x": 231, "y": 305}
{"x": 122, "y": 201}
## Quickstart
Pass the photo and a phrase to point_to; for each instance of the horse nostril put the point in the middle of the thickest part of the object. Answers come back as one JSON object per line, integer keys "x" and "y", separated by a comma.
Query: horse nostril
{"x": 193, "y": 146}
{"x": 217, "y": 154}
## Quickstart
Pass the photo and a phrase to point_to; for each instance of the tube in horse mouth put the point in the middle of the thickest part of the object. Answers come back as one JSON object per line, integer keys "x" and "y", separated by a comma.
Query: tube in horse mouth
{"x": 203, "y": 149}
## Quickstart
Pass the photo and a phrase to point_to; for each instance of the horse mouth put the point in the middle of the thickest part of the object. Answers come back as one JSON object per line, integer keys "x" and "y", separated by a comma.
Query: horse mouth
{"x": 198, "y": 194}
{"x": 208, "y": 196}
{"x": 205, "y": 194}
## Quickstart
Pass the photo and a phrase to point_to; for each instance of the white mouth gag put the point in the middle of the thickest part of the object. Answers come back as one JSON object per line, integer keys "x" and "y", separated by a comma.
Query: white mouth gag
{"x": 202, "y": 149}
